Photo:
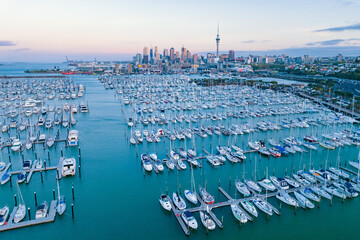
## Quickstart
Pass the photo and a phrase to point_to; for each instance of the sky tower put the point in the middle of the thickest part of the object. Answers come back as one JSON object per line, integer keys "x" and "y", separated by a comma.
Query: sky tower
{"x": 217, "y": 42}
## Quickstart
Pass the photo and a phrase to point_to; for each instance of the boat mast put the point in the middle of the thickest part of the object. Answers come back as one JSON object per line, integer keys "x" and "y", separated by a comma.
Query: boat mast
{"x": 57, "y": 181}
{"x": 192, "y": 180}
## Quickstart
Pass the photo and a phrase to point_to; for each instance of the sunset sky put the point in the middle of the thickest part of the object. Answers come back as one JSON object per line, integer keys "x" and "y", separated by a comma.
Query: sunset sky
{"x": 49, "y": 30}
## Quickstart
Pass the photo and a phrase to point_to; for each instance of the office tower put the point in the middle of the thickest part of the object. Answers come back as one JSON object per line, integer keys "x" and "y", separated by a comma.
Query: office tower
{"x": 151, "y": 55}
{"x": 195, "y": 58}
{"x": 188, "y": 55}
{"x": 231, "y": 55}
{"x": 155, "y": 50}
{"x": 165, "y": 53}
{"x": 145, "y": 51}
{"x": 172, "y": 53}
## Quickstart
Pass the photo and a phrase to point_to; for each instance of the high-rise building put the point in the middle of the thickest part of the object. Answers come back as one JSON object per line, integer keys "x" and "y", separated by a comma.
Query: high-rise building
{"x": 155, "y": 50}
{"x": 177, "y": 56}
{"x": 339, "y": 58}
{"x": 145, "y": 59}
{"x": 183, "y": 54}
{"x": 151, "y": 55}
{"x": 231, "y": 55}
{"x": 172, "y": 53}
{"x": 210, "y": 58}
{"x": 137, "y": 59}
{"x": 166, "y": 53}
{"x": 188, "y": 55}
{"x": 129, "y": 68}
{"x": 217, "y": 42}
{"x": 157, "y": 57}
{"x": 145, "y": 51}
{"x": 195, "y": 58}
{"x": 117, "y": 67}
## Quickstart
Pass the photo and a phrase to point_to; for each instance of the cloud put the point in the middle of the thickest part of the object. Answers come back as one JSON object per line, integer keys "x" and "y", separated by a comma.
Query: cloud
{"x": 335, "y": 42}
{"x": 347, "y": 3}
{"x": 248, "y": 41}
{"x": 317, "y": 51}
{"x": 6, "y": 43}
{"x": 354, "y": 27}
{"x": 21, "y": 49}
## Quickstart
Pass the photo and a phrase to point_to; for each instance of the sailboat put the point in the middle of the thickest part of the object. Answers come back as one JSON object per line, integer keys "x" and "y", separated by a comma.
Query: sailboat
{"x": 248, "y": 206}
{"x": 238, "y": 213}
{"x": 61, "y": 205}
{"x": 191, "y": 194}
{"x": 207, "y": 221}
{"x": 4, "y": 213}
{"x": 21, "y": 210}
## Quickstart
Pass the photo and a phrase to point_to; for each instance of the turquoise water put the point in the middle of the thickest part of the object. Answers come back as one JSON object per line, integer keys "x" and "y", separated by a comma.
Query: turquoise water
{"x": 113, "y": 198}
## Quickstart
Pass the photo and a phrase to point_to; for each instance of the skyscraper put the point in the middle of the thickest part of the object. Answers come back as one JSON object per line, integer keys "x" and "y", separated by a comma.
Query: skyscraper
{"x": 217, "y": 42}
{"x": 172, "y": 53}
{"x": 183, "y": 54}
{"x": 231, "y": 55}
{"x": 195, "y": 58}
{"x": 166, "y": 53}
{"x": 151, "y": 55}
{"x": 188, "y": 55}
{"x": 155, "y": 50}
{"x": 145, "y": 51}
{"x": 145, "y": 59}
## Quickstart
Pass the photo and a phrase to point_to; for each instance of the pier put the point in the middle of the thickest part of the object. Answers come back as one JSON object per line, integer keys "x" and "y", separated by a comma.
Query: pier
{"x": 209, "y": 207}
{"x": 49, "y": 218}
{"x": 331, "y": 105}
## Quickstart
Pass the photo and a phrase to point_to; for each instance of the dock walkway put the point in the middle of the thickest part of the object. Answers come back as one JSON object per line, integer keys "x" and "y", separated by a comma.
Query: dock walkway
{"x": 49, "y": 218}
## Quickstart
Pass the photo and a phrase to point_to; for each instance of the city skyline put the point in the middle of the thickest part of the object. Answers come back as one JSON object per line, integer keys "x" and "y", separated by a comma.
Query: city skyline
{"x": 112, "y": 30}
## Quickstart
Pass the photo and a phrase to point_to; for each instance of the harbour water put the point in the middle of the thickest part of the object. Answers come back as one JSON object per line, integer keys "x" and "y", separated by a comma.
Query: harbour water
{"x": 113, "y": 198}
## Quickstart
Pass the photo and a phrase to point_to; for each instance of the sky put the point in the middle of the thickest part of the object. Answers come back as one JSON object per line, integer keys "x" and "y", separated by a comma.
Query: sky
{"x": 49, "y": 30}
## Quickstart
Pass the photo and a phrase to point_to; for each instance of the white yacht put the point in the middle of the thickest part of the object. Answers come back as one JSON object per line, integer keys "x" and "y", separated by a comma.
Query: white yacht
{"x": 191, "y": 196}
{"x": 170, "y": 164}
{"x": 20, "y": 213}
{"x": 267, "y": 184}
{"x": 68, "y": 167}
{"x": 61, "y": 205}
{"x": 303, "y": 201}
{"x": 4, "y": 213}
{"x": 146, "y": 162}
{"x": 280, "y": 183}
{"x": 164, "y": 201}
{"x": 321, "y": 192}
{"x": 73, "y": 138}
{"x": 178, "y": 201}
{"x": 16, "y": 145}
{"x": 309, "y": 194}
{"x": 242, "y": 188}
{"x": 286, "y": 198}
{"x": 207, "y": 221}
{"x": 181, "y": 164}
{"x": 189, "y": 219}
{"x": 248, "y": 206}
{"x": 238, "y": 213}
{"x": 252, "y": 185}
{"x": 41, "y": 210}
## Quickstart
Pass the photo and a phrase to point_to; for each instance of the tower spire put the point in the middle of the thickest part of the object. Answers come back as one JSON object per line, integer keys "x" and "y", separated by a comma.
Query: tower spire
{"x": 217, "y": 41}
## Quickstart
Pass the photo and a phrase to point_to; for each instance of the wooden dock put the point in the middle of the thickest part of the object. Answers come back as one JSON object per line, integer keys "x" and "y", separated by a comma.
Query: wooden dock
{"x": 49, "y": 218}
{"x": 177, "y": 214}
{"x": 348, "y": 170}
{"x": 209, "y": 207}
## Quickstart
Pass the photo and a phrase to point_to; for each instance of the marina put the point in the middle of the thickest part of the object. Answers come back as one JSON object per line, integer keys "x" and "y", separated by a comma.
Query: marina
{"x": 38, "y": 114}
{"x": 107, "y": 149}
